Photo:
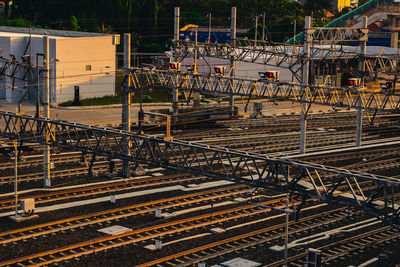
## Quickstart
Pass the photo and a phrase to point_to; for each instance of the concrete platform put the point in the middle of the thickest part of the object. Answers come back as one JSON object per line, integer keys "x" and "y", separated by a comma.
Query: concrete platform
{"x": 217, "y": 230}
{"x": 150, "y": 247}
{"x": 19, "y": 218}
{"x": 240, "y": 262}
{"x": 114, "y": 230}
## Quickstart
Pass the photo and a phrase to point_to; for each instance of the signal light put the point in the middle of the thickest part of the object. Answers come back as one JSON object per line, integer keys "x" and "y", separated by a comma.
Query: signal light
{"x": 191, "y": 68}
{"x": 353, "y": 82}
{"x": 174, "y": 66}
{"x": 387, "y": 85}
{"x": 219, "y": 70}
{"x": 269, "y": 74}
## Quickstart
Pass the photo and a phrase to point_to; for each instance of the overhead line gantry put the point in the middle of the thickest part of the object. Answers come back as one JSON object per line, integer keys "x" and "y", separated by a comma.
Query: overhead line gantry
{"x": 210, "y": 84}
{"x": 308, "y": 180}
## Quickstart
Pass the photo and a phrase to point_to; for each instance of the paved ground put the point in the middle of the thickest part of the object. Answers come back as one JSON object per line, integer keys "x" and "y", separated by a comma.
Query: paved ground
{"x": 111, "y": 115}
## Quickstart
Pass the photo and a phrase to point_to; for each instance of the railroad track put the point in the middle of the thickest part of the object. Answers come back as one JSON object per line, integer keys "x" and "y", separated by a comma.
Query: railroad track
{"x": 99, "y": 166}
{"x": 85, "y": 192}
{"x": 235, "y": 139}
{"x": 220, "y": 217}
{"x": 243, "y": 242}
{"x": 264, "y": 237}
{"x": 143, "y": 234}
{"x": 119, "y": 213}
{"x": 336, "y": 252}
{"x": 280, "y": 124}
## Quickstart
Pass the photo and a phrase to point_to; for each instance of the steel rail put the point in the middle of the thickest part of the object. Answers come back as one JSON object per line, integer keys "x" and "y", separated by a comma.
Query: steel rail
{"x": 118, "y": 213}
{"x": 135, "y": 236}
{"x": 361, "y": 241}
{"x": 237, "y": 238}
{"x": 103, "y": 189}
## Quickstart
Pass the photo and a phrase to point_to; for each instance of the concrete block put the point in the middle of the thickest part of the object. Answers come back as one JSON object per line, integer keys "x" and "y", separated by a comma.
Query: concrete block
{"x": 114, "y": 230}
{"x": 217, "y": 230}
{"x": 240, "y": 262}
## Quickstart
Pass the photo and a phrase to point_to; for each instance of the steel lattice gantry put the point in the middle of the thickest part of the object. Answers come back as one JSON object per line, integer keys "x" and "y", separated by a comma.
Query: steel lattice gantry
{"x": 283, "y": 55}
{"x": 18, "y": 70}
{"x": 299, "y": 178}
{"x": 23, "y": 76}
{"x": 268, "y": 89}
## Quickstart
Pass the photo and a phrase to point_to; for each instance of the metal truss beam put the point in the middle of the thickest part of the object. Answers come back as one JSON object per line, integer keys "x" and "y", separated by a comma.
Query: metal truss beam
{"x": 338, "y": 34}
{"x": 281, "y": 55}
{"x": 268, "y": 89}
{"x": 18, "y": 70}
{"x": 316, "y": 181}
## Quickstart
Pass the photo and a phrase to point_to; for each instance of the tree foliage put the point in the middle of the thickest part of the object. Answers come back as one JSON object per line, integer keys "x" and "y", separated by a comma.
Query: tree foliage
{"x": 151, "y": 21}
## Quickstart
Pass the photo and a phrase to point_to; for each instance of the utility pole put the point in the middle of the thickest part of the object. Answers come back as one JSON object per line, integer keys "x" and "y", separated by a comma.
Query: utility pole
{"x": 285, "y": 255}
{"x": 16, "y": 177}
{"x": 305, "y": 80}
{"x": 196, "y": 95}
{"x": 263, "y": 30}
{"x": 46, "y": 110}
{"x": 396, "y": 72}
{"x": 175, "y": 92}
{"x": 176, "y": 23}
{"x": 361, "y": 68}
{"x": 255, "y": 32}
{"x": 232, "y": 60}
{"x": 209, "y": 28}
{"x": 126, "y": 102}
{"x": 30, "y": 45}
{"x": 294, "y": 35}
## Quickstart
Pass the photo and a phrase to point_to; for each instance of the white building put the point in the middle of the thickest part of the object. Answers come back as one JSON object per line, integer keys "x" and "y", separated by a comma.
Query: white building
{"x": 87, "y": 60}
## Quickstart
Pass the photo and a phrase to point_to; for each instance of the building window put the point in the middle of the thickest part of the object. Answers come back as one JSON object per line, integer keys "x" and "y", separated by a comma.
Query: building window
{"x": 88, "y": 67}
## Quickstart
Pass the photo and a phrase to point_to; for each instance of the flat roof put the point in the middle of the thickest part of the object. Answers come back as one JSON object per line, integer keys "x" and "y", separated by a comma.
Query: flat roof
{"x": 20, "y": 31}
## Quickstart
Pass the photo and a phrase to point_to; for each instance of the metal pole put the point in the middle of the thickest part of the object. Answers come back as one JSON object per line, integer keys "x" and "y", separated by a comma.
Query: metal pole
{"x": 175, "y": 92}
{"x": 126, "y": 102}
{"x": 361, "y": 68}
{"x": 294, "y": 36}
{"x": 359, "y": 123}
{"x": 209, "y": 27}
{"x": 46, "y": 110}
{"x": 176, "y": 23}
{"x": 305, "y": 80}
{"x": 396, "y": 72}
{"x": 127, "y": 50}
{"x": 263, "y": 30}
{"x": 255, "y": 32}
{"x": 16, "y": 178}
{"x": 285, "y": 256}
{"x": 37, "y": 88}
{"x": 196, "y": 95}
{"x": 30, "y": 45}
{"x": 232, "y": 59}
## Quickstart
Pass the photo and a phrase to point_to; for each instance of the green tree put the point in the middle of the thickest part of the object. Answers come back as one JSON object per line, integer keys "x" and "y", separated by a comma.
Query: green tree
{"x": 74, "y": 23}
